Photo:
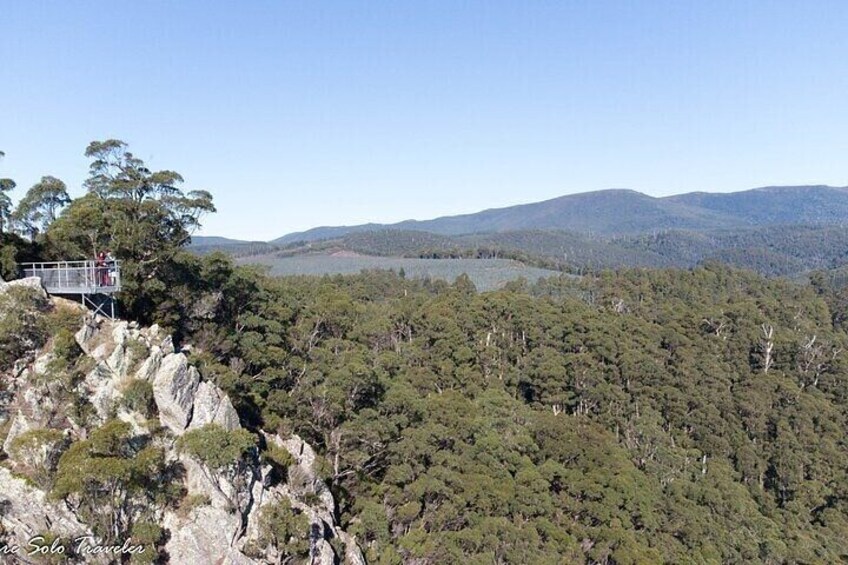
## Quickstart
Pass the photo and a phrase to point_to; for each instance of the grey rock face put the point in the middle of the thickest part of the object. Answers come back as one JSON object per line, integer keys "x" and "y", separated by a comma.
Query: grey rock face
{"x": 303, "y": 479}
{"x": 28, "y": 282}
{"x": 174, "y": 387}
{"x": 26, "y": 512}
{"x": 226, "y": 521}
{"x": 204, "y": 538}
{"x": 20, "y": 425}
{"x": 212, "y": 406}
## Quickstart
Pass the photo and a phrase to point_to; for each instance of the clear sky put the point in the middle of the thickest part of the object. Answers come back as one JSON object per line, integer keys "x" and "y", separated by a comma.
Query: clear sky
{"x": 298, "y": 114}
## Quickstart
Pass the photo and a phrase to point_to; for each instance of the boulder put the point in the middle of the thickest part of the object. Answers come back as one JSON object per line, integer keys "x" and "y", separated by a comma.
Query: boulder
{"x": 205, "y": 537}
{"x": 198, "y": 482}
{"x": 150, "y": 366}
{"x": 212, "y": 406}
{"x": 29, "y": 282}
{"x": 174, "y": 387}
{"x": 86, "y": 334}
{"x": 25, "y": 512}
{"x": 20, "y": 425}
{"x": 102, "y": 386}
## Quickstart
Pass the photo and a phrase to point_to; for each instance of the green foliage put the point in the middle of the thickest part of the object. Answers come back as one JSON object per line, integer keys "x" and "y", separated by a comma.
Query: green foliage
{"x": 215, "y": 447}
{"x": 115, "y": 481}
{"x": 138, "y": 397}
{"x": 65, "y": 347}
{"x": 142, "y": 216}
{"x": 621, "y": 418}
{"x": 23, "y": 324}
{"x": 153, "y": 537}
{"x": 285, "y": 528}
{"x": 40, "y": 206}
{"x": 66, "y": 319}
{"x": 6, "y": 186}
{"x": 278, "y": 457}
{"x": 36, "y": 453}
{"x": 224, "y": 455}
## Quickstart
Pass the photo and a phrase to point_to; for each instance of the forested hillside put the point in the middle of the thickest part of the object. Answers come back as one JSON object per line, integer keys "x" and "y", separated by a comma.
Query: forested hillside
{"x": 627, "y": 212}
{"x": 633, "y": 418}
{"x": 788, "y": 250}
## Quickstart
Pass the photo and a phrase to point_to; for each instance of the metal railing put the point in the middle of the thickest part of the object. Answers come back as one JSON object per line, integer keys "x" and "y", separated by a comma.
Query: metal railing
{"x": 76, "y": 277}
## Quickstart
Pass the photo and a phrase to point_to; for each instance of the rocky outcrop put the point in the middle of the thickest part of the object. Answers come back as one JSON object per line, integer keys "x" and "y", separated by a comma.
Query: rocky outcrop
{"x": 304, "y": 483}
{"x": 20, "y": 425}
{"x": 212, "y": 406}
{"x": 224, "y": 524}
{"x": 29, "y": 282}
{"x": 203, "y": 537}
{"x": 25, "y": 512}
{"x": 174, "y": 388}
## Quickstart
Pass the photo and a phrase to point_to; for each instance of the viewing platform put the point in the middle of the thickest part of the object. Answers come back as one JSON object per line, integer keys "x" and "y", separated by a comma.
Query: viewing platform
{"x": 94, "y": 282}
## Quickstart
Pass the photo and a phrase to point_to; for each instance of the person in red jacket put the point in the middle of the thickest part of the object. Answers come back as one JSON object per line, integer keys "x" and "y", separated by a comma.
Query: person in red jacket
{"x": 102, "y": 274}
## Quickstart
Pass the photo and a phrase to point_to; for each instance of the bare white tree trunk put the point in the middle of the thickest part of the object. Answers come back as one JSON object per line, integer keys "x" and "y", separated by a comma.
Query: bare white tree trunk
{"x": 768, "y": 346}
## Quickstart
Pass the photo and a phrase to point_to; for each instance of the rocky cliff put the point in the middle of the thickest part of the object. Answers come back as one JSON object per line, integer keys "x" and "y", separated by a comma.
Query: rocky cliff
{"x": 222, "y": 524}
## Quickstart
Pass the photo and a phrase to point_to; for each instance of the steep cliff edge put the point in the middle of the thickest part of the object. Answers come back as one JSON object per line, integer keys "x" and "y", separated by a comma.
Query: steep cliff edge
{"x": 61, "y": 397}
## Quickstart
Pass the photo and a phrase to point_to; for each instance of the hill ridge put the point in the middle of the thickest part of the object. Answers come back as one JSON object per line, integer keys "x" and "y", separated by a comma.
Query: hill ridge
{"x": 624, "y": 211}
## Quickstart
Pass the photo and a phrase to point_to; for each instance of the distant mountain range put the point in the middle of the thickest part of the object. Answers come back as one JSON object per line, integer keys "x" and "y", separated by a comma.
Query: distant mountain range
{"x": 773, "y": 230}
{"x": 627, "y": 212}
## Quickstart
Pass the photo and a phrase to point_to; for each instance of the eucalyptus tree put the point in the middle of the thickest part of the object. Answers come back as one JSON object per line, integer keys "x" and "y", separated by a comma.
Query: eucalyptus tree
{"x": 40, "y": 206}
{"x": 6, "y": 186}
{"x": 143, "y": 216}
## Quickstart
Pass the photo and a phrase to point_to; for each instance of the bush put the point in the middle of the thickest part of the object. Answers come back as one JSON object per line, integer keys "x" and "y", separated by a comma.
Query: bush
{"x": 216, "y": 447}
{"x": 285, "y": 528}
{"x": 152, "y": 537}
{"x": 23, "y": 326}
{"x": 65, "y": 347}
{"x": 138, "y": 397}
{"x": 190, "y": 502}
{"x": 65, "y": 318}
{"x": 137, "y": 351}
{"x": 278, "y": 457}
{"x": 36, "y": 454}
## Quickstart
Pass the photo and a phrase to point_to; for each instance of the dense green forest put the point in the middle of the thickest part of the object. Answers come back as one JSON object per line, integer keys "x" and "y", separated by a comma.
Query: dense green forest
{"x": 791, "y": 250}
{"x": 633, "y": 416}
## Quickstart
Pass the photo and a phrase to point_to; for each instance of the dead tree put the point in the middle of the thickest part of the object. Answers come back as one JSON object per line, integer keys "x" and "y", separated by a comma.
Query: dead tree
{"x": 768, "y": 346}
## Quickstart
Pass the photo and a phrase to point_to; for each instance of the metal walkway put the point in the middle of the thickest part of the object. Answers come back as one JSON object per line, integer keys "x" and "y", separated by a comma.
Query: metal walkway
{"x": 94, "y": 282}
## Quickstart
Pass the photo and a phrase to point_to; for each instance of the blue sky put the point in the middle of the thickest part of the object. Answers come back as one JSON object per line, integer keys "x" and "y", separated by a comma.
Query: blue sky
{"x": 297, "y": 114}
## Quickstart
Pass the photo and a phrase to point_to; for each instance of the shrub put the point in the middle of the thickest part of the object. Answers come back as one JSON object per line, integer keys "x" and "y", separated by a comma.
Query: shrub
{"x": 137, "y": 352}
{"x": 138, "y": 397}
{"x": 65, "y": 347}
{"x": 190, "y": 502}
{"x": 23, "y": 326}
{"x": 116, "y": 481}
{"x": 223, "y": 455}
{"x": 65, "y": 318}
{"x": 285, "y": 528}
{"x": 152, "y": 537}
{"x": 279, "y": 458}
{"x": 215, "y": 447}
{"x": 36, "y": 454}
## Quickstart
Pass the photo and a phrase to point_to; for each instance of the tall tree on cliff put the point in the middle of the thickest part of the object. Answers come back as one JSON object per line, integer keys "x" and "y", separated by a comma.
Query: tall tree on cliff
{"x": 142, "y": 216}
{"x": 40, "y": 206}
